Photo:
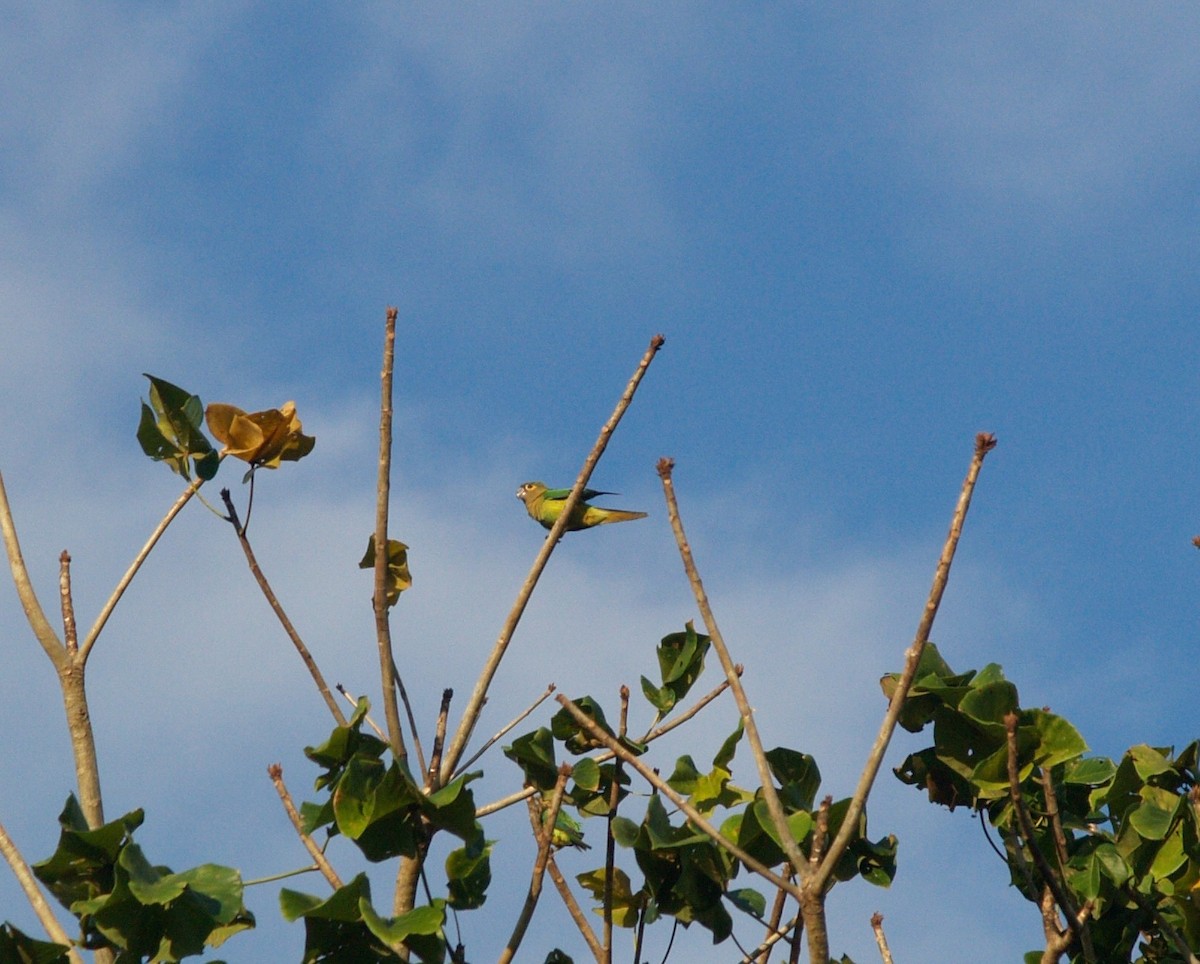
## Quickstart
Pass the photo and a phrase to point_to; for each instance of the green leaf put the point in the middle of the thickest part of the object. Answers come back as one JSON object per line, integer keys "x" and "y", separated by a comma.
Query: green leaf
{"x": 685, "y": 776}
{"x": 468, "y": 874}
{"x": 169, "y": 431}
{"x": 1092, "y": 772}
{"x": 991, "y": 702}
{"x": 376, "y": 808}
{"x": 19, "y": 948}
{"x": 680, "y": 663}
{"x": 876, "y": 861}
{"x": 534, "y": 754}
{"x": 749, "y": 901}
{"x": 1153, "y": 818}
{"x": 341, "y": 905}
{"x": 1150, "y": 762}
{"x": 420, "y": 920}
{"x": 452, "y": 807}
{"x": 1058, "y": 740}
{"x": 575, "y": 737}
{"x": 725, "y": 755}
{"x": 798, "y": 775}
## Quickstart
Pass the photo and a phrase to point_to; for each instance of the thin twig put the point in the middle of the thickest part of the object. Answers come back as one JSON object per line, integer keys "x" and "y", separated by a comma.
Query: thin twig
{"x": 774, "y": 936}
{"x": 383, "y": 483}
{"x": 573, "y": 908}
{"x": 273, "y": 601}
{"x": 353, "y": 701}
{"x": 111, "y": 604}
{"x": 479, "y": 696}
{"x": 656, "y": 732}
{"x": 694, "y": 816}
{"x": 34, "y": 613}
{"x": 1165, "y": 926}
{"x": 880, "y": 939}
{"x": 504, "y": 802}
{"x": 610, "y": 840}
{"x": 439, "y": 738}
{"x": 412, "y": 719}
{"x": 34, "y": 895}
{"x": 275, "y": 771}
{"x": 764, "y": 954}
{"x": 1060, "y": 849}
{"x": 543, "y": 828}
{"x": 499, "y": 735}
{"x": 984, "y": 443}
{"x": 770, "y": 797}
{"x": 602, "y": 757}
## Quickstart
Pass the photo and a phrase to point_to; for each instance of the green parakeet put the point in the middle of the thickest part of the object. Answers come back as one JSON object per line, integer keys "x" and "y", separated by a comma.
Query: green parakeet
{"x": 566, "y": 832}
{"x": 545, "y": 506}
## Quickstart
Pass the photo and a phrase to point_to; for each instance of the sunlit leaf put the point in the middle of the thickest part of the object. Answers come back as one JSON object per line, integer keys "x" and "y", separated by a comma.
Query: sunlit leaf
{"x": 398, "y": 578}
{"x": 263, "y": 438}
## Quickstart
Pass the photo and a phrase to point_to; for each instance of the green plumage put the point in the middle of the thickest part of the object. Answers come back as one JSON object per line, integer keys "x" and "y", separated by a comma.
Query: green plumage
{"x": 546, "y": 505}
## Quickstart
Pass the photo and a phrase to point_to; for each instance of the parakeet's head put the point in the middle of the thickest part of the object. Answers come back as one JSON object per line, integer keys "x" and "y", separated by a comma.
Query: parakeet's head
{"x": 530, "y": 490}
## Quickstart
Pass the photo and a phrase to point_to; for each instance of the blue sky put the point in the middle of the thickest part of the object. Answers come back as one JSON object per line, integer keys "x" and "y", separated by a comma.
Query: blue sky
{"x": 867, "y": 233}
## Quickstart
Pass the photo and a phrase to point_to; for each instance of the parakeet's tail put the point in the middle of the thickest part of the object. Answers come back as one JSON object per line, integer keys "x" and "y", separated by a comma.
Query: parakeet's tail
{"x": 597, "y": 517}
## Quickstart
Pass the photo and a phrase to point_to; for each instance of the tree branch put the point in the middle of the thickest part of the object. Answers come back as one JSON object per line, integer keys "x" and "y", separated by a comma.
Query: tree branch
{"x": 383, "y": 484}
{"x": 984, "y": 443}
{"x": 273, "y": 601}
{"x": 479, "y": 696}
{"x": 732, "y": 677}
{"x": 275, "y": 771}
{"x": 111, "y": 604}
{"x": 543, "y": 829}
{"x": 694, "y": 816}
{"x": 34, "y": 613}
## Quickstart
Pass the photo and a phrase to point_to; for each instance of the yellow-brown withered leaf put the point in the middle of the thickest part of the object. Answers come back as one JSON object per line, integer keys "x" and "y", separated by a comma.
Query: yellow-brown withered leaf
{"x": 261, "y": 438}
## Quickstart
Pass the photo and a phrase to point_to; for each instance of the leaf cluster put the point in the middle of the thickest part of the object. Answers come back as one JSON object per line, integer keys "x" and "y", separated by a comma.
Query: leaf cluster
{"x": 1121, "y": 838}
{"x": 125, "y": 903}
{"x": 373, "y": 801}
{"x": 683, "y": 872}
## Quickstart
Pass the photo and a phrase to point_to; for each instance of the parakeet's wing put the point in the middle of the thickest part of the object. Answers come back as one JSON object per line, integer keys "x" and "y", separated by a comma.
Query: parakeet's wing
{"x": 560, "y": 495}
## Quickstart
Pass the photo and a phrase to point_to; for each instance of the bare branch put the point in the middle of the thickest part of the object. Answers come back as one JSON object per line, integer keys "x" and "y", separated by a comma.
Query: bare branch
{"x": 408, "y": 712}
{"x": 275, "y": 771}
{"x": 770, "y": 797}
{"x": 439, "y": 737}
{"x": 573, "y": 908}
{"x": 479, "y": 696}
{"x": 68, "y": 604}
{"x": 20, "y": 575}
{"x": 880, "y": 938}
{"x": 111, "y": 604}
{"x": 273, "y": 601}
{"x": 543, "y": 830}
{"x": 984, "y": 443}
{"x": 1061, "y": 897}
{"x": 499, "y": 735}
{"x": 383, "y": 485}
